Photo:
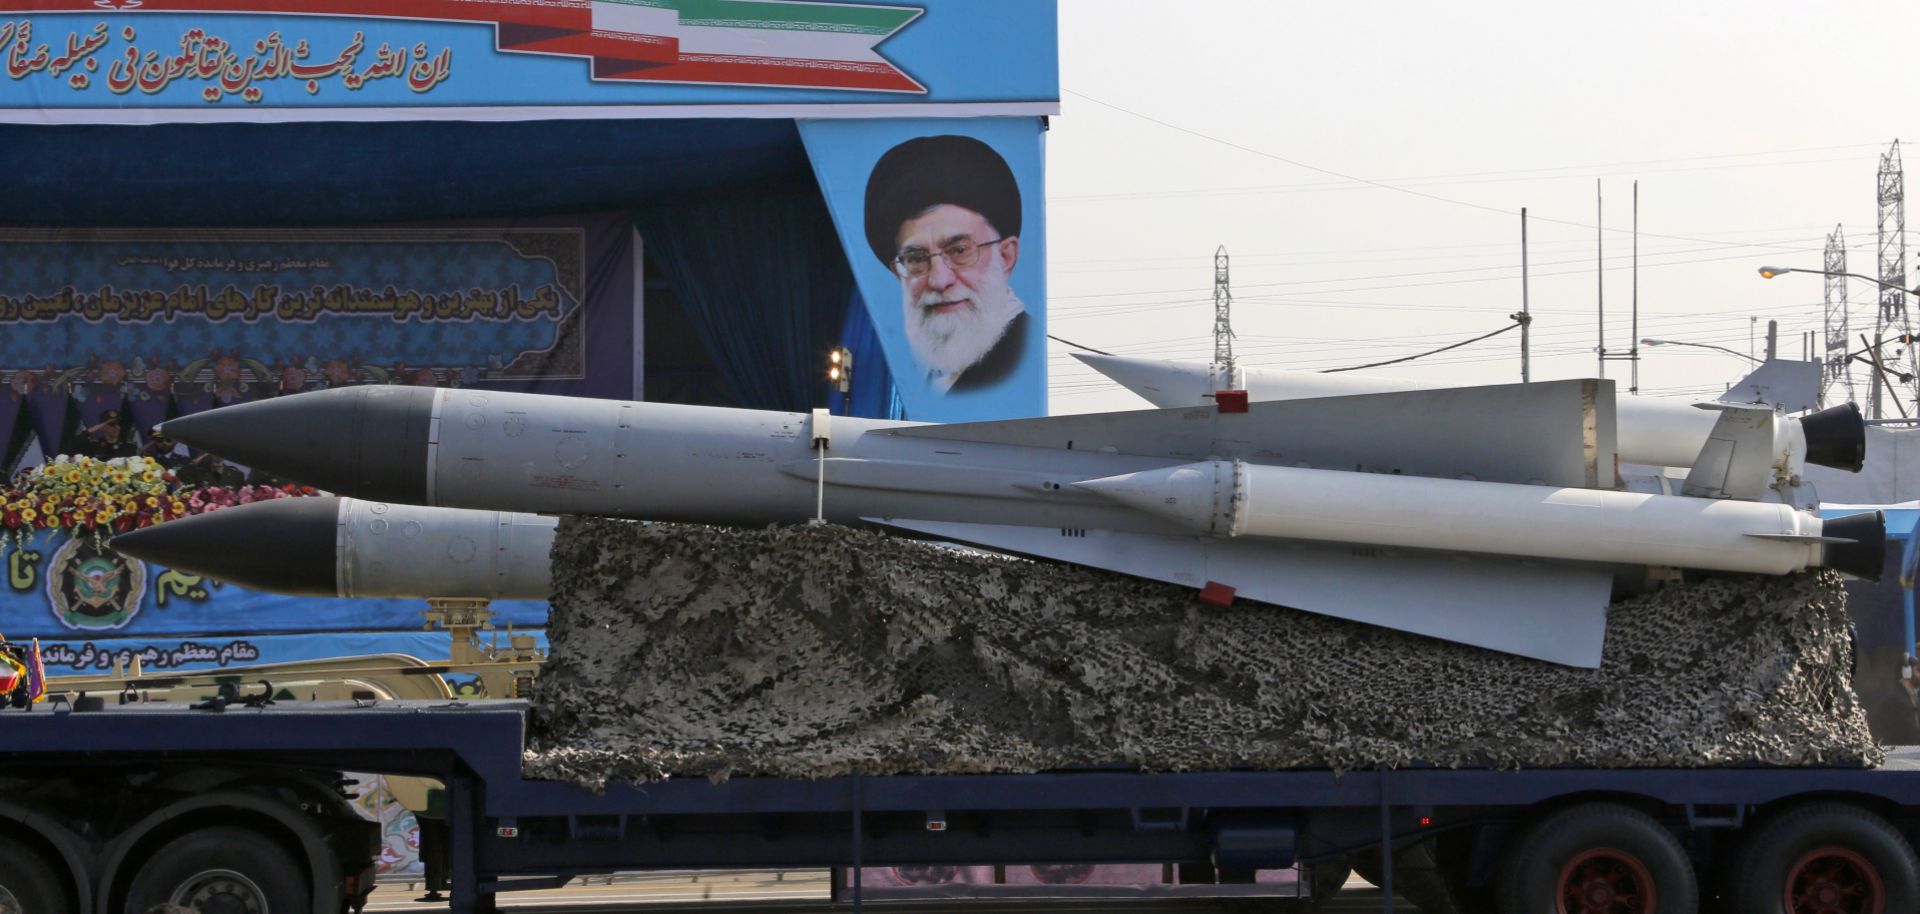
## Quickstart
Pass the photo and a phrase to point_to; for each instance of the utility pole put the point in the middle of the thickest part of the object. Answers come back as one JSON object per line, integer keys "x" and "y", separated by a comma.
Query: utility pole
{"x": 1222, "y": 323}
{"x": 1525, "y": 317}
{"x": 1633, "y": 351}
{"x": 1632, "y": 355}
{"x": 1600, "y": 270}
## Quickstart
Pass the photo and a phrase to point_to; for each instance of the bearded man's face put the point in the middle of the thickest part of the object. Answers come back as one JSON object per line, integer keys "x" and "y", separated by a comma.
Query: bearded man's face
{"x": 956, "y": 313}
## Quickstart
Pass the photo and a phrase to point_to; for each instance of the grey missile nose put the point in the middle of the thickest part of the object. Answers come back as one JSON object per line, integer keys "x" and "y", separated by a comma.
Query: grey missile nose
{"x": 285, "y": 545}
{"x": 368, "y": 442}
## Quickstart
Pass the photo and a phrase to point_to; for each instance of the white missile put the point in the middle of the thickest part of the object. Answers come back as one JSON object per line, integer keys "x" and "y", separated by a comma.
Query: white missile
{"x": 1651, "y": 431}
{"x": 344, "y": 547}
{"x": 1238, "y": 499}
{"x": 1531, "y": 574}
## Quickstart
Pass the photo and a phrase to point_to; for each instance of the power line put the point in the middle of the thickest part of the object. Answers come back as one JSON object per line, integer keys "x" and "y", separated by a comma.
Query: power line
{"x": 1380, "y": 184}
{"x": 1423, "y": 355}
{"x": 1404, "y": 183}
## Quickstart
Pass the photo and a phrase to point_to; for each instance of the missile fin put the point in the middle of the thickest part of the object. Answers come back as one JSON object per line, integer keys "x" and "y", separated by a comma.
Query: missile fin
{"x": 1791, "y": 385}
{"x": 1558, "y": 433}
{"x": 1737, "y": 460}
{"x": 1546, "y": 611}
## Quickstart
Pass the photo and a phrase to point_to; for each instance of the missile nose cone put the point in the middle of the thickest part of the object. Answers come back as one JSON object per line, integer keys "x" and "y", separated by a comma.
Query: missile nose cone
{"x": 369, "y": 442}
{"x": 1163, "y": 384}
{"x": 1188, "y": 495}
{"x": 285, "y": 545}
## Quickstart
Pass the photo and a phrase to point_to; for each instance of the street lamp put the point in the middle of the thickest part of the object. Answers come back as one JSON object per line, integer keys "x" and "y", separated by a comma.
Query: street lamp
{"x": 840, "y": 375}
{"x": 1651, "y": 342}
{"x": 1771, "y": 272}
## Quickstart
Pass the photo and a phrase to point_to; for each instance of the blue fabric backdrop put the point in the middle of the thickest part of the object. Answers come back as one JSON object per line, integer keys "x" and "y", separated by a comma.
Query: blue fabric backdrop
{"x": 761, "y": 276}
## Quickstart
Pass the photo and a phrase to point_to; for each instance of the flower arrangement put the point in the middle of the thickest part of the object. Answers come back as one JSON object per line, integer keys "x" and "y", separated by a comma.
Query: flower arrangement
{"x": 83, "y": 496}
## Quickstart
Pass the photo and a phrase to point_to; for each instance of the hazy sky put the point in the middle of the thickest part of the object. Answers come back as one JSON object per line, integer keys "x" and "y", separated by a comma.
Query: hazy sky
{"x": 1753, "y": 128}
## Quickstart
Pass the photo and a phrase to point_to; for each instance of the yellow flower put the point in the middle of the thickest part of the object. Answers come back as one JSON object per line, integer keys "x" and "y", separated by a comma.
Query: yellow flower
{"x": 103, "y": 517}
{"x": 72, "y": 476}
{"x": 29, "y": 515}
{"x": 150, "y": 476}
{"x": 47, "y": 507}
{"x": 153, "y": 501}
{"x": 119, "y": 476}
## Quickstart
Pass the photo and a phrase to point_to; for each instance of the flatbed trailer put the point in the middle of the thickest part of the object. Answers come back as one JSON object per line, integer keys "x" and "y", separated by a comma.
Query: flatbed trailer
{"x": 110, "y": 810}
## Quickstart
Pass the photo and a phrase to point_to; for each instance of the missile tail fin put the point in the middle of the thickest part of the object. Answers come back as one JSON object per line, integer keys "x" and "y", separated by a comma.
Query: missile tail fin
{"x": 1793, "y": 386}
{"x": 1556, "y": 613}
{"x": 1737, "y": 459}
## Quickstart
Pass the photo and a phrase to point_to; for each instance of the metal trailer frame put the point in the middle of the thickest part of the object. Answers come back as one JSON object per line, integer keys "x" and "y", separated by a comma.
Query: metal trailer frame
{"x": 509, "y": 833}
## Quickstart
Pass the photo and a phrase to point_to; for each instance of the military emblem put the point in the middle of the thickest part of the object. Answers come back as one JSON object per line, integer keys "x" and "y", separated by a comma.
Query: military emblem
{"x": 92, "y": 588}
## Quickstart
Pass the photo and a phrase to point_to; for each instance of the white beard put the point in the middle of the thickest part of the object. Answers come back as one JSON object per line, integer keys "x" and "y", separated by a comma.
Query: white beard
{"x": 950, "y": 343}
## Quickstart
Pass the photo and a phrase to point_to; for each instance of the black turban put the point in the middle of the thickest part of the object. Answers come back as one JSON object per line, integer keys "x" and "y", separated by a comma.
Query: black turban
{"x": 927, "y": 171}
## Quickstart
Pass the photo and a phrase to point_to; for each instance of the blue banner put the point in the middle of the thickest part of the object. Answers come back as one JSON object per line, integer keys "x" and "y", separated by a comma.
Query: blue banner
{"x": 153, "y": 322}
{"x": 73, "y": 589}
{"x": 944, "y": 224}
{"x": 160, "y": 60}
{"x": 84, "y": 656}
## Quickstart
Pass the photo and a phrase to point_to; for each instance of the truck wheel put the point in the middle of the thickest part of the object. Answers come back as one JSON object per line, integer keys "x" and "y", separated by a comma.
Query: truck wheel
{"x": 222, "y": 871}
{"x": 1324, "y": 880}
{"x": 1597, "y": 858}
{"x": 1417, "y": 877}
{"x": 1366, "y": 865}
{"x": 1827, "y": 858}
{"x": 27, "y": 885}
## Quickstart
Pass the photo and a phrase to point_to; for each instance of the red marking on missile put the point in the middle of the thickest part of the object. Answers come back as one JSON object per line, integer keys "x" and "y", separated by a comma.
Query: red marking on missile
{"x": 1216, "y": 593}
{"x": 1230, "y": 401}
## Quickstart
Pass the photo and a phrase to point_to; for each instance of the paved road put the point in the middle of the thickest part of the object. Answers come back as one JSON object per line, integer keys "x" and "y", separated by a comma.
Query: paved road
{"x": 798, "y": 893}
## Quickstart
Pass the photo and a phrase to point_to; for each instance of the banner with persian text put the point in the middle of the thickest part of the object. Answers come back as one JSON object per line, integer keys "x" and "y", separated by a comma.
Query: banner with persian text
{"x": 91, "y": 606}
{"x": 120, "y": 61}
{"x": 164, "y": 322}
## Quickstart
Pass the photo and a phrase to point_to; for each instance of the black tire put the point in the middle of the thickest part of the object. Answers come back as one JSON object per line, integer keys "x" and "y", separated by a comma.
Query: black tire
{"x": 1826, "y": 847}
{"x": 27, "y": 882}
{"x": 222, "y": 870}
{"x": 1619, "y": 854}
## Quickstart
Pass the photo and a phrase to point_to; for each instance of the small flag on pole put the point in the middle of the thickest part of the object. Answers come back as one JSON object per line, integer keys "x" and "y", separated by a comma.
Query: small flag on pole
{"x": 36, "y": 674}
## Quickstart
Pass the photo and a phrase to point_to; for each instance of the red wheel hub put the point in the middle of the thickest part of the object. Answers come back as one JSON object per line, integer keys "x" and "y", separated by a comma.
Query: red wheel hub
{"x": 1834, "y": 880}
{"x": 1605, "y": 881}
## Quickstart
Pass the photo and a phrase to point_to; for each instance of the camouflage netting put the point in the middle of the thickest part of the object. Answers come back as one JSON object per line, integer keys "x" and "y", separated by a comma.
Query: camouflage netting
{"x": 812, "y": 652}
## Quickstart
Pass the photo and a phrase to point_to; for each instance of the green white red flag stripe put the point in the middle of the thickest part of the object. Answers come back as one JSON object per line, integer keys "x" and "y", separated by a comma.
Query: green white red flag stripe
{"x": 787, "y": 43}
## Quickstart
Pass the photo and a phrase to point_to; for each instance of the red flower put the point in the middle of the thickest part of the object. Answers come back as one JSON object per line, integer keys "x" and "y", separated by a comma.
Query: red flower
{"x": 122, "y": 524}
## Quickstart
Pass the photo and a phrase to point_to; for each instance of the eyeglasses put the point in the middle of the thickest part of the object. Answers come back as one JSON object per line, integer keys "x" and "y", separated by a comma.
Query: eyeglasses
{"x": 916, "y": 263}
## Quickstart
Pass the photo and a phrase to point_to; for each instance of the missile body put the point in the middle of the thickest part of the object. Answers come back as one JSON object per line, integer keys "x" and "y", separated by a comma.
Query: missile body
{"x": 1487, "y": 515}
{"x": 649, "y": 461}
{"x": 1224, "y": 498}
{"x": 1651, "y": 431}
{"x": 343, "y": 547}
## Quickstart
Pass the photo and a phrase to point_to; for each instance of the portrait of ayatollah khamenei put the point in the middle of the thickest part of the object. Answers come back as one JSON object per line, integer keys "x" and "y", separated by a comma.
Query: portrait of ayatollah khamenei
{"x": 943, "y": 215}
